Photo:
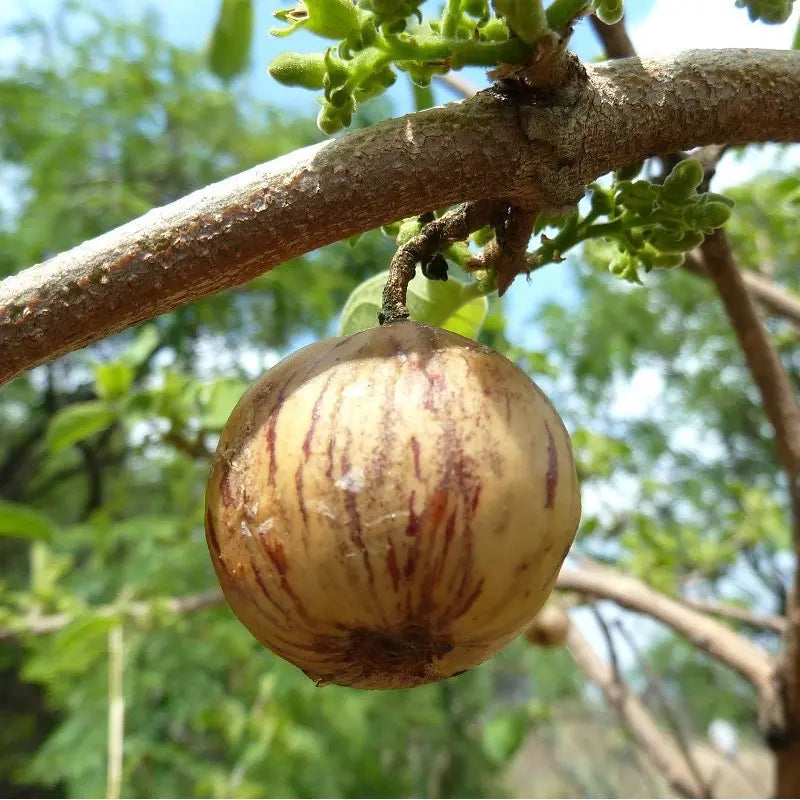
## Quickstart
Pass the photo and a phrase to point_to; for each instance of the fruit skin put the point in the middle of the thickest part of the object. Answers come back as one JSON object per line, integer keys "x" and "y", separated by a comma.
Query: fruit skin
{"x": 389, "y": 508}
{"x": 549, "y": 628}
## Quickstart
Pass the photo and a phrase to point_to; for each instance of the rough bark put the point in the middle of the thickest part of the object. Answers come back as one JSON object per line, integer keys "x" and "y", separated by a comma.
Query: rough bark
{"x": 534, "y": 153}
{"x": 635, "y": 718}
{"x": 781, "y": 718}
{"x": 780, "y": 707}
{"x": 714, "y": 638}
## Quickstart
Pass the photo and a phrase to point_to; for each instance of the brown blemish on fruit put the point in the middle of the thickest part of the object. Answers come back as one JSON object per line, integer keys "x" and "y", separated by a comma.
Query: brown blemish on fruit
{"x": 414, "y": 519}
{"x": 392, "y": 566}
{"x": 476, "y": 498}
{"x": 272, "y": 430}
{"x": 410, "y": 650}
{"x": 329, "y": 470}
{"x": 551, "y": 478}
{"x": 468, "y": 602}
{"x": 437, "y": 507}
{"x": 315, "y": 416}
{"x": 212, "y": 536}
{"x": 225, "y": 490}
{"x": 415, "y": 452}
{"x": 277, "y": 556}
{"x": 264, "y": 590}
{"x": 351, "y": 507}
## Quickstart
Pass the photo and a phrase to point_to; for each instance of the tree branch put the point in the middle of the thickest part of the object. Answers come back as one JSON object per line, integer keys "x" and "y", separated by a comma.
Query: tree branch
{"x": 779, "y": 399}
{"x": 775, "y": 299}
{"x": 614, "y": 38}
{"x": 40, "y": 625}
{"x": 778, "y": 395}
{"x": 705, "y": 633}
{"x": 534, "y": 154}
{"x": 675, "y": 722}
{"x": 767, "y": 622}
{"x": 635, "y": 717}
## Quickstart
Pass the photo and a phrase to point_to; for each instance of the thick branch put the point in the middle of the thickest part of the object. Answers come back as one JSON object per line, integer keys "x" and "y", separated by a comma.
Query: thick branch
{"x": 779, "y": 398}
{"x": 778, "y": 395}
{"x": 703, "y": 632}
{"x": 635, "y": 717}
{"x": 488, "y": 147}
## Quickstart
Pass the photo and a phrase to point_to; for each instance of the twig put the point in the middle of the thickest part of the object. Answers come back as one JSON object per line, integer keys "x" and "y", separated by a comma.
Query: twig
{"x": 707, "y": 634}
{"x": 116, "y": 712}
{"x": 38, "y": 625}
{"x": 614, "y": 38}
{"x": 634, "y": 716}
{"x": 675, "y": 724}
{"x": 778, "y": 395}
{"x": 458, "y": 84}
{"x": 506, "y": 253}
{"x": 775, "y": 299}
{"x": 767, "y": 622}
{"x": 610, "y": 646}
{"x": 453, "y": 226}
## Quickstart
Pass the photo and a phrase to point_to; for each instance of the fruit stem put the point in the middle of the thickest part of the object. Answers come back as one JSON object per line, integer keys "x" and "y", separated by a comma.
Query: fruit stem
{"x": 453, "y": 226}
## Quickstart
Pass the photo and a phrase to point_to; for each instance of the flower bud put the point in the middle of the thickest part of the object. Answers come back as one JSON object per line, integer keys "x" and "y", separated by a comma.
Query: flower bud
{"x": 299, "y": 69}
{"x": 682, "y": 182}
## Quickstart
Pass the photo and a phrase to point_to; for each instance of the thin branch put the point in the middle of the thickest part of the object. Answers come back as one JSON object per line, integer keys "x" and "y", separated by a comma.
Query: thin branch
{"x": 492, "y": 146}
{"x": 609, "y": 639}
{"x": 705, "y": 633}
{"x": 676, "y": 725}
{"x": 40, "y": 625}
{"x": 457, "y": 84}
{"x": 423, "y": 248}
{"x": 768, "y": 622}
{"x": 116, "y": 712}
{"x": 634, "y": 716}
{"x": 775, "y": 299}
{"x": 614, "y": 38}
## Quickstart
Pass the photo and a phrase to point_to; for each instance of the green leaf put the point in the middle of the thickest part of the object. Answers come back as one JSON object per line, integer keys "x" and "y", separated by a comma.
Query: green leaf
{"x": 504, "y": 734}
{"x": 447, "y": 304}
{"x": 77, "y": 422}
{"x": 140, "y": 348}
{"x": 113, "y": 380}
{"x": 230, "y": 43}
{"x": 222, "y": 397}
{"x": 22, "y": 522}
{"x": 469, "y": 318}
{"x": 796, "y": 39}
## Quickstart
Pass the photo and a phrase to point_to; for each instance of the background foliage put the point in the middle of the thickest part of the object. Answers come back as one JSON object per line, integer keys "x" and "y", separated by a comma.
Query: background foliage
{"x": 104, "y": 454}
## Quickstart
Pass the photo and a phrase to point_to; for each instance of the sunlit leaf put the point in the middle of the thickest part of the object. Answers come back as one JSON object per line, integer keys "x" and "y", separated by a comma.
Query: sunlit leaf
{"x": 447, "y": 304}
{"x": 23, "y": 522}
{"x": 77, "y": 422}
{"x": 229, "y": 52}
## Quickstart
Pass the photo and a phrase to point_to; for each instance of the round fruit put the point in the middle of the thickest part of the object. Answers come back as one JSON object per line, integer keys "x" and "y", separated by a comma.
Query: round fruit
{"x": 549, "y": 627}
{"x": 390, "y": 508}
